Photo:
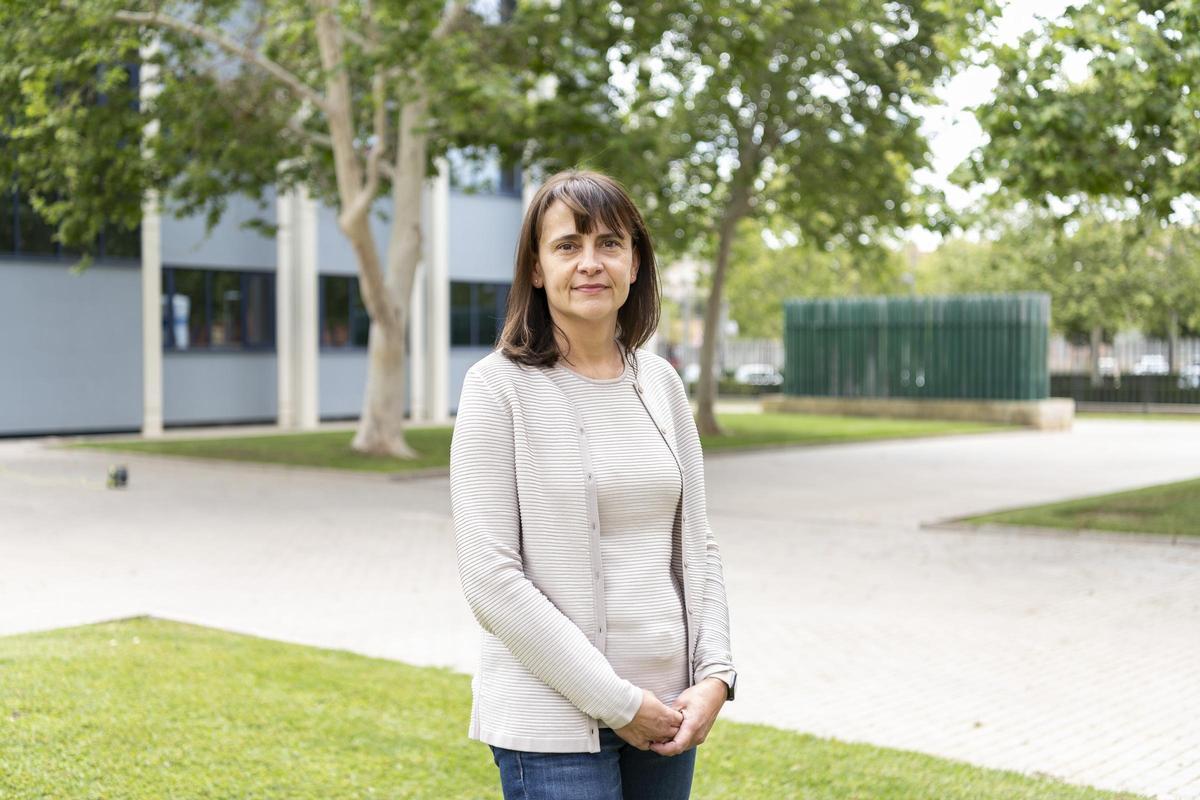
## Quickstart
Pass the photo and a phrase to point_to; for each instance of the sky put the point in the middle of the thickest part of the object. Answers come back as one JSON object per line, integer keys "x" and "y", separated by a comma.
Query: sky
{"x": 950, "y": 128}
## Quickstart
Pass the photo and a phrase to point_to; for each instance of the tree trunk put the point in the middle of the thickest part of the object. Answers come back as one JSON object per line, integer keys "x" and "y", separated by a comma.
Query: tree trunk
{"x": 706, "y": 418}
{"x": 381, "y": 425}
{"x": 1097, "y": 339}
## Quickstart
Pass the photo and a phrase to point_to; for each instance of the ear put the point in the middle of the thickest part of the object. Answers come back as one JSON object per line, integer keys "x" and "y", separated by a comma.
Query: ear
{"x": 633, "y": 272}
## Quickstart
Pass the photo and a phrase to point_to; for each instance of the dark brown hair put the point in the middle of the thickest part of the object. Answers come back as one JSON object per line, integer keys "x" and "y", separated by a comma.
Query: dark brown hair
{"x": 528, "y": 333}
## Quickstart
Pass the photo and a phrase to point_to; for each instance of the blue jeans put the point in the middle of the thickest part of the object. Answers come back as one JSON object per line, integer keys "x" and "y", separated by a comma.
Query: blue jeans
{"x": 618, "y": 772}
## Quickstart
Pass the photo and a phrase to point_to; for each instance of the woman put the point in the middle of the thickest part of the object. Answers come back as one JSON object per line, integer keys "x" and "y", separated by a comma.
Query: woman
{"x": 577, "y": 492}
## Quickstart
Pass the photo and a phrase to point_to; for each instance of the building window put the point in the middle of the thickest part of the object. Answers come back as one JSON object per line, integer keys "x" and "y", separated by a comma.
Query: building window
{"x": 344, "y": 319}
{"x": 476, "y": 313}
{"x": 205, "y": 309}
{"x": 23, "y": 232}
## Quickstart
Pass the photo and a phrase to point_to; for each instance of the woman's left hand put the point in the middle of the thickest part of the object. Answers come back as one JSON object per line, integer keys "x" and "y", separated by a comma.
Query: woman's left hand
{"x": 700, "y": 705}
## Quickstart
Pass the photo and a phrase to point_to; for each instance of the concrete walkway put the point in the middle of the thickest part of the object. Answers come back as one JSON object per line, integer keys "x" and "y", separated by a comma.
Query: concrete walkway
{"x": 1069, "y": 656}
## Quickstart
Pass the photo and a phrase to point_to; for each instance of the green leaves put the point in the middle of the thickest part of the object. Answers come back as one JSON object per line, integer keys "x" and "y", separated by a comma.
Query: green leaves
{"x": 1100, "y": 273}
{"x": 1118, "y": 128}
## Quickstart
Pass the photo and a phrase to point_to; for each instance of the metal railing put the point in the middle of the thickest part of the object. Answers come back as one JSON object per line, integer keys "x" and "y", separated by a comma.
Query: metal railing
{"x": 1137, "y": 389}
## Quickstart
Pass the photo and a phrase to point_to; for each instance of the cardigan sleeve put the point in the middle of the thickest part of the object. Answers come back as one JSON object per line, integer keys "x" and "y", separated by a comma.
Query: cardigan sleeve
{"x": 486, "y": 520}
{"x": 713, "y": 652}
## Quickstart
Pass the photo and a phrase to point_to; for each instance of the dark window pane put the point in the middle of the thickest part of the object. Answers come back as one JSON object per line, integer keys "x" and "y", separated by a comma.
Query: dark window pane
{"x": 35, "y": 233}
{"x": 8, "y": 225}
{"x": 502, "y": 308}
{"x": 489, "y": 296}
{"x": 258, "y": 310}
{"x": 460, "y": 314}
{"x": 187, "y": 309}
{"x": 460, "y": 295}
{"x": 510, "y": 179}
{"x": 360, "y": 322}
{"x": 226, "y": 308}
{"x": 122, "y": 243}
{"x": 168, "y": 339}
{"x": 335, "y": 311}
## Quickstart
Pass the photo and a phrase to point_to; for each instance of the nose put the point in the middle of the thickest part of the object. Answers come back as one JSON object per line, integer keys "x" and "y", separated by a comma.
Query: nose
{"x": 590, "y": 259}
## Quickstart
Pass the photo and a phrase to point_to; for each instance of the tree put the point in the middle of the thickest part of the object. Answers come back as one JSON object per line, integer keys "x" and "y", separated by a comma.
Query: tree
{"x": 1167, "y": 294}
{"x": 800, "y": 111}
{"x": 1125, "y": 130}
{"x": 1103, "y": 275}
{"x": 354, "y": 99}
{"x": 762, "y": 276}
{"x": 1119, "y": 131}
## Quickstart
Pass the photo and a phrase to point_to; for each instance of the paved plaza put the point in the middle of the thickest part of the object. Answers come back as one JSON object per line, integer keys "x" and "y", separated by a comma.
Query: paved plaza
{"x": 1073, "y": 656}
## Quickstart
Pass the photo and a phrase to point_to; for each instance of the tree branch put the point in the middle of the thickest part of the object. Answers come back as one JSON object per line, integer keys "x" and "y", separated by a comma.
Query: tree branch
{"x": 366, "y": 195}
{"x": 454, "y": 17}
{"x": 156, "y": 19}
{"x": 319, "y": 139}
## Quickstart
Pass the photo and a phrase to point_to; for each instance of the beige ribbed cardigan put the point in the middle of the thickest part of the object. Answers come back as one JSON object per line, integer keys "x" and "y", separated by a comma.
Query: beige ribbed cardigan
{"x": 526, "y": 530}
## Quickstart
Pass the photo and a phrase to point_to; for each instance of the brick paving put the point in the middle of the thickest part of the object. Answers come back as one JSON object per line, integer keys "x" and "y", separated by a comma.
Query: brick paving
{"x": 1070, "y": 656}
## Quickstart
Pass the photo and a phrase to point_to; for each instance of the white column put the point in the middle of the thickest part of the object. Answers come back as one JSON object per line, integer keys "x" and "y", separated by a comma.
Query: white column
{"x": 285, "y": 342}
{"x": 307, "y": 342}
{"x": 437, "y": 284}
{"x": 152, "y": 308}
{"x": 296, "y": 343}
{"x": 152, "y": 313}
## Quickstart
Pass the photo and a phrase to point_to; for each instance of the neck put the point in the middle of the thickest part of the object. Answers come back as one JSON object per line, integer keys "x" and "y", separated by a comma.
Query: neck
{"x": 591, "y": 347}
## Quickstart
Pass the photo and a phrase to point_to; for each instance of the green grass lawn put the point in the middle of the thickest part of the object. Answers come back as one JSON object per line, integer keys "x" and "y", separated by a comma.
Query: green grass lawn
{"x": 146, "y": 708}
{"x": 1172, "y": 508}
{"x": 331, "y": 449}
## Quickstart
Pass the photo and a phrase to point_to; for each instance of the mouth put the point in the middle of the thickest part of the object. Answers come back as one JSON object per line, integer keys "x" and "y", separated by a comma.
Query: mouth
{"x": 590, "y": 289}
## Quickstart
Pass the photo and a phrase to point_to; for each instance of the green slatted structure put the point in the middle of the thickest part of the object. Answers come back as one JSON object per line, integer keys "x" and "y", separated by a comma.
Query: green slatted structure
{"x": 975, "y": 346}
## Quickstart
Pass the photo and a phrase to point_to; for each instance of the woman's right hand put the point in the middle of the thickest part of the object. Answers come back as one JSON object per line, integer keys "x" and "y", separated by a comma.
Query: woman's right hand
{"x": 654, "y": 722}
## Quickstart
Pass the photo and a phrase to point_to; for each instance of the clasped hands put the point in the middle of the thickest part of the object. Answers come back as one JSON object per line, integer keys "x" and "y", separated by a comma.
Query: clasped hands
{"x": 671, "y": 730}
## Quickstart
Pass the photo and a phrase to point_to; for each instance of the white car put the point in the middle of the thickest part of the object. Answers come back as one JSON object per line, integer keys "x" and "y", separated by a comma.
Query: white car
{"x": 1152, "y": 364}
{"x": 1189, "y": 376}
{"x": 758, "y": 375}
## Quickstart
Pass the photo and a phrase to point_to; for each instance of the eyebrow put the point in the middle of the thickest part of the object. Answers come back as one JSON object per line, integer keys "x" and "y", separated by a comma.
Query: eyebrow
{"x": 567, "y": 236}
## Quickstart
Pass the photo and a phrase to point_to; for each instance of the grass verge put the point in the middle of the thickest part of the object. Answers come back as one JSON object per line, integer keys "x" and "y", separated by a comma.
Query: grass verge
{"x": 1172, "y": 508}
{"x": 147, "y": 708}
{"x": 331, "y": 449}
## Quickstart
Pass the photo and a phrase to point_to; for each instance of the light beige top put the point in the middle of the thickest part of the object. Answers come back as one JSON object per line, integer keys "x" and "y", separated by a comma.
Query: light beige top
{"x": 638, "y": 492}
{"x": 526, "y": 513}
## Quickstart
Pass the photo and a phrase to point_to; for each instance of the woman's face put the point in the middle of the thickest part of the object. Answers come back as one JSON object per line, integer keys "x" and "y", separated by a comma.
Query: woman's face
{"x": 570, "y": 263}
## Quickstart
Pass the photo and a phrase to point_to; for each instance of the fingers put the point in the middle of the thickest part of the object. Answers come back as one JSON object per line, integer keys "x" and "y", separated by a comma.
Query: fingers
{"x": 684, "y": 740}
{"x": 671, "y": 748}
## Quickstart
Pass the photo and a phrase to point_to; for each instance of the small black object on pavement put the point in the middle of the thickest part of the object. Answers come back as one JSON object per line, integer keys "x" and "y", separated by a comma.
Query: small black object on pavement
{"x": 118, "y": 476}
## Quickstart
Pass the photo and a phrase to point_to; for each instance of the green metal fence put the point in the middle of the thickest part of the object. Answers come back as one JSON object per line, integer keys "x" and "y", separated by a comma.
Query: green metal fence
{"x": 985, "y": 346}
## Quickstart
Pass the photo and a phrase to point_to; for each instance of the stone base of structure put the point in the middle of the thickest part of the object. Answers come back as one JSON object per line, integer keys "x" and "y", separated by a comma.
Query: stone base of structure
{"x": 1051, "y": 414}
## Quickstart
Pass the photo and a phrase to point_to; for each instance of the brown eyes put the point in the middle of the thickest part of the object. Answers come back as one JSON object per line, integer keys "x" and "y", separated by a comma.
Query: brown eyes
{"x": 606, "y": 243}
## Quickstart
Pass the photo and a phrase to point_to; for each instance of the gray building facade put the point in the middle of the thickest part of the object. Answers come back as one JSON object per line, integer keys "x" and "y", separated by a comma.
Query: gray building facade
{"x": 71, "y": 345}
